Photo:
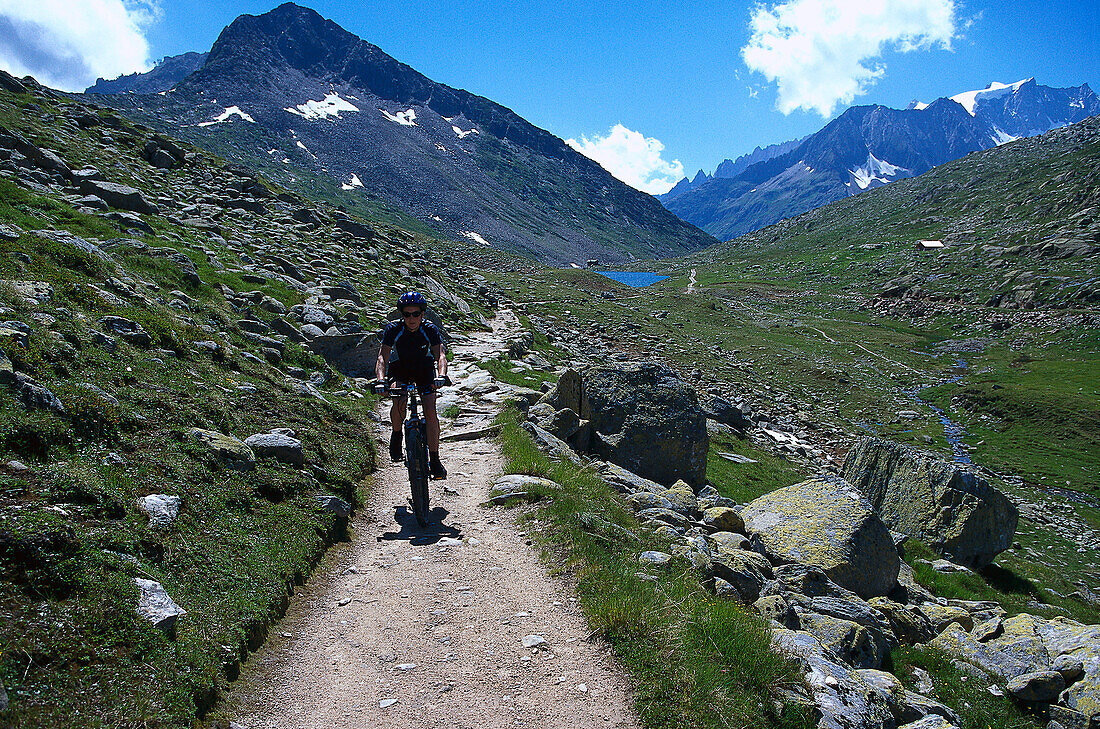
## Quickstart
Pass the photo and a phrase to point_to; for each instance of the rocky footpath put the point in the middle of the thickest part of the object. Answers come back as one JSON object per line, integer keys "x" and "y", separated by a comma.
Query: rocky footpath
{"x": 821, "y": 559}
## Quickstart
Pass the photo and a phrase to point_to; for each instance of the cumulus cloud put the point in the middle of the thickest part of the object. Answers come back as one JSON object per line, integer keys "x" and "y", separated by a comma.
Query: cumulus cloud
{"x": 633, "y": 158}
{"x": 67, "y": 44}
{"x": 822, "y": 53}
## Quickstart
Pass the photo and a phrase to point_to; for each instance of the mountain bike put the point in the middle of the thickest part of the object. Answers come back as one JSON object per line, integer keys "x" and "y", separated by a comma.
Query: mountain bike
{"x": 416, "y": 450}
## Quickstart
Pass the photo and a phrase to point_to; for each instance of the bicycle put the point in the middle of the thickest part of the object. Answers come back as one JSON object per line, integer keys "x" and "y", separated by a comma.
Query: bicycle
{"x": 416, "y": 450}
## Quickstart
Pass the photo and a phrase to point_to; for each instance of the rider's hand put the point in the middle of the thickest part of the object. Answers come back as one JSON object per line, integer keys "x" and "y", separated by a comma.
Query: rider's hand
{"x": 378, "y": 387}
{"x": 440, "y": 382}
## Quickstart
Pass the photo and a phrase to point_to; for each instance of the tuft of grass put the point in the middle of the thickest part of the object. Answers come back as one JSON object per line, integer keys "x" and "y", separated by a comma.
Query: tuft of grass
{"x": 695, "y": 660}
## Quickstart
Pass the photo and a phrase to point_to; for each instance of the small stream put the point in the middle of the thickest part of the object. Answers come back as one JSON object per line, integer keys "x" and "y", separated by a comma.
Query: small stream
{"x": 952, "y": 430}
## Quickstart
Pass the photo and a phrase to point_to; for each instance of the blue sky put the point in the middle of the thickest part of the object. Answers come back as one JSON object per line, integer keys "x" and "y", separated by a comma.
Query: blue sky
{"x": 648, "y": 88}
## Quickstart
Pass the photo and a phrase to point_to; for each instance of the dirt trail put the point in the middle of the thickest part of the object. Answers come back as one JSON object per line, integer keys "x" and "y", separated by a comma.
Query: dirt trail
{"x": 434, "y": 618}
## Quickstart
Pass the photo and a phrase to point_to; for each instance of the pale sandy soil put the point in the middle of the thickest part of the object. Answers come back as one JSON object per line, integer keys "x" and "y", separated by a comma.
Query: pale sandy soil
{"x": 434, "y": 618}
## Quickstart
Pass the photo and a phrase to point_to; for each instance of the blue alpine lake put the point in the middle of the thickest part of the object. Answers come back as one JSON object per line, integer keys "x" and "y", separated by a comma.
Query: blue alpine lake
{"x": 634, "y": 278}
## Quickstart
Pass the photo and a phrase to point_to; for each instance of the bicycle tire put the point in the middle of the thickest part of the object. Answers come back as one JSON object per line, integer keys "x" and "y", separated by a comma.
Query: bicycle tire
{"x": 416, "y": 449}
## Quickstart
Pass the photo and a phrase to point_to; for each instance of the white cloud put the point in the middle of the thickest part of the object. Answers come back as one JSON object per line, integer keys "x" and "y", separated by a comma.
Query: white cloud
{"x": 67, "y": 44}
{"x": 822, "y": 53}
{"x": 633, "y": 158}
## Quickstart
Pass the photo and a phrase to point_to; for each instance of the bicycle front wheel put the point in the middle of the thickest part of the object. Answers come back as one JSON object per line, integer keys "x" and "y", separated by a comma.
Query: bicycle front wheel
{"x": 416, "y": 448}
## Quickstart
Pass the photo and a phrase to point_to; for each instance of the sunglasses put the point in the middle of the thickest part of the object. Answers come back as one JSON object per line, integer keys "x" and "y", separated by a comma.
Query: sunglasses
{"x": 412, "y": 314}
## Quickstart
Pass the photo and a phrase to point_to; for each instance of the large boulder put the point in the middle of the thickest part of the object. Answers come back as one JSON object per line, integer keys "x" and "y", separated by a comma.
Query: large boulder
{"x": 645, "y": 419}
{"x": 827, "y": 525}
{"x": 956, "y": 513}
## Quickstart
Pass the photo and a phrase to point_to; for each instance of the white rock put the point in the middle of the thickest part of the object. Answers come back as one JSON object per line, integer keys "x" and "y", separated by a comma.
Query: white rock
{"x": 533, "y": 641}
{"x": 162, "y": 509}
{"x": 155, "y": 606}
{"x": 386, "y": 703}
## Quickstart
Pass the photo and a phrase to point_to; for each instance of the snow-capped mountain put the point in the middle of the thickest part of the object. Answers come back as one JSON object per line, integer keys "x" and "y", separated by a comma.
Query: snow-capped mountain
{"x": 870, "y": 146}
{"x": 314, "y": 107}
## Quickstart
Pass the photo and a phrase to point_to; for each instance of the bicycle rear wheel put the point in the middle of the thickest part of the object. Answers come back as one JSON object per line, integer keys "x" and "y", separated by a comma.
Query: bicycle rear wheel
{"x": 417, "y": 459}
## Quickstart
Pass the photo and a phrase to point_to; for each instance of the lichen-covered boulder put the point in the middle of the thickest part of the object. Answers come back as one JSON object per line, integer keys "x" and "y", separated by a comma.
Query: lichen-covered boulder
{"x": 231, "y": 450}
{"x": 683, "y": 499}
{"x": 952, "y": 510}
{"x": 827, "y": 525}
{"x": 723, "y": 519}
{"x": 746, "y": 571}
{"x": 646, "y": 419}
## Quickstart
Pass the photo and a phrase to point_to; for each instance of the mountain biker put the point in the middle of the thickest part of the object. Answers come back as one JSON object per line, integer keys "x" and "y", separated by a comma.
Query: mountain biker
{"x": 412, "y": 351}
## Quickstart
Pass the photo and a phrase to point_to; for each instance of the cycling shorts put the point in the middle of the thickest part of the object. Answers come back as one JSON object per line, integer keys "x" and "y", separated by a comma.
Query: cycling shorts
{"x": 421, "y": 372}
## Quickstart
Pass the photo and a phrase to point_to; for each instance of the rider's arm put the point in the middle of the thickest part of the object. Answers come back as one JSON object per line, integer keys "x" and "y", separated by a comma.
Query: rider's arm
{"x": 380, "y": 365}
{"x": 440, "y": 361}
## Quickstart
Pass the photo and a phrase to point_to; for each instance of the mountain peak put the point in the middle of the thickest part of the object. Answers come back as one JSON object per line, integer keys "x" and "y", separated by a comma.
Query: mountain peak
{"x": 969, "y": 99}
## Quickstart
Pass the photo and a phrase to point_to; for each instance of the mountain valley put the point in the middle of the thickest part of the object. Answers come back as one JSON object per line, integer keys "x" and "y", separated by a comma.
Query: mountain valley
{"x": 187, "y": 425}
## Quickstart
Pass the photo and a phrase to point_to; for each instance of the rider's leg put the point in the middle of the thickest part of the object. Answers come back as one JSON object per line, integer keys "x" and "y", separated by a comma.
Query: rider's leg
{"x": 431, "y": 419}
{"x": 397, "y": 412}
{"x": 397, "y": 417}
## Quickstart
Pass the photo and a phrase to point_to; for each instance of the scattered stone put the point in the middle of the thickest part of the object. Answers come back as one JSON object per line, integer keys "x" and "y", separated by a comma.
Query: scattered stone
{"x": 281, "y": 447}
{"x": 234, "y": 452}
{"x": 162, "y": 509}
{"x": 1041, "y": 686}
{"x": 156, "y": 606}
{"x": 654, "y": 557}
{"x": 533, "y": 641}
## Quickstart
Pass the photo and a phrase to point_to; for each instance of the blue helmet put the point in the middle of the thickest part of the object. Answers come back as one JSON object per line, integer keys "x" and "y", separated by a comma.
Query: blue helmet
{"x": 412, "y": 298}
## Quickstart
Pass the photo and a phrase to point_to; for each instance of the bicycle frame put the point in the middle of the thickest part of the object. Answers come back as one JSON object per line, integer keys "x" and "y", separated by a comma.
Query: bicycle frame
{"x": 416, "y": 451}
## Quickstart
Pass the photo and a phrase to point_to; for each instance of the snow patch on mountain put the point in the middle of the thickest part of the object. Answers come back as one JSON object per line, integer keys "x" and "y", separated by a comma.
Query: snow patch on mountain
{"x": 475, "y": 237}
{"x": 461, "y": 134}
{"x": 875, "y": 172}
{"x": 331, "y": 106}
{"x": 404, "y": 118}
{"x": 230, "y": 112}
{"x": 355, "y": 182}
{"x": 969, "y": 99}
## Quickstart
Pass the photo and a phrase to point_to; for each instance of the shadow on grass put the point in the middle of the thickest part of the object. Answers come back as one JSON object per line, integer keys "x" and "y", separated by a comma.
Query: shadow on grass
{"x": 1005, "y": 580}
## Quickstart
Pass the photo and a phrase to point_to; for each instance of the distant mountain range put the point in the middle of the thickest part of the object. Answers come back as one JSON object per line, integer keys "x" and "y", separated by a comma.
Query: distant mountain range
{"x": 867, "y": 147}
{"x": 314, "y": 107}
{"x": 168, "y": 72}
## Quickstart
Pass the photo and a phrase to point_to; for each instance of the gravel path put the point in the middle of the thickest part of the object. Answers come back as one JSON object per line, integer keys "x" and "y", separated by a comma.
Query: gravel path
{"x": 406, "y": 627}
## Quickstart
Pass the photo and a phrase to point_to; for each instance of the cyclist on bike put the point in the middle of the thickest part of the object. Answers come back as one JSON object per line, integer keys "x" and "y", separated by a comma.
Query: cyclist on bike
{"x": 412, "y": 351}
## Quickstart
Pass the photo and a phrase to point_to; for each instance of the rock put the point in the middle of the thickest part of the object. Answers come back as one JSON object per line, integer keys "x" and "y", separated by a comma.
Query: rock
{"x": 746, "y": 571}
{"x": 723, "y": 519}
{"x": 127, "y": 329}
{"x": 940, "y": 616}
{"x": 1039, "y": 686}
{"x": 645, "y": 500}
{"x": 682, "y": 499}
{"x": 162, "y": 509}
{"x": 156, "y": 606}
{"x": 727, "y": 413}
{"x": 908, "y": 624}
{"x": 777, "y": 609}
{"x": 646, "y": 420}
{"x": 118, "y": 196}
{"x": 551, "y": 444}
{"x": 932, "y": 721}
{"x": 955, "y": 512}
{"x": 1066, "y": 718}
{"x": 35, "y": 292}
{"x": 627, "y": 481}
{"x": 826, "y": 525}
{"x": 568, "y": 393}
{"x": 335, "y": 504}
{"x": 849, "y": 641}
{"x": 281, "y": 447}
{"x": 533, "y": 641}
{"x": 848, "y": 698}
{"x": 653, "y": 557}
{"x": 725, "y": 541}
{"x": 234, "y": 452}
{"x": 1071, "y": 667}
{"x": 34, "y": 395}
